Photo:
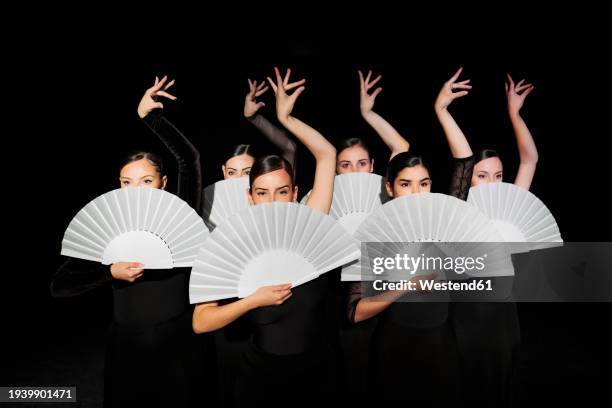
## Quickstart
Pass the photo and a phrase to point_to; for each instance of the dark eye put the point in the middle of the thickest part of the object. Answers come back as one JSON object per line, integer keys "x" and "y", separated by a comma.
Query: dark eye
{"x": 481, "y": 176}
{"x": 247, "y": 172}
{"x": 261, "y": 193}
{"x": 230, "y": 173}
{"x": 404, "y": 184}
{"x": 284, "y": 192}
{"x": 499, "y": 176}
{"x": 424, "y": 184}
{"x": 148, "y": 181}
{"x": 362, "y": 163}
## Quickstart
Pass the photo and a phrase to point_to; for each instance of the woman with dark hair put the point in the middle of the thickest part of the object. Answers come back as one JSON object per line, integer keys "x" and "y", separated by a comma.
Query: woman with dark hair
{"x": 289, "y": 355}
{"x": 413, "y": 344}
{"x": 488, "y": 334}
{"x": 241, "y": 157}
{"x": 153, "y": 357}
{"x": 353, "y": 153}
{"x": 488, "y": 167}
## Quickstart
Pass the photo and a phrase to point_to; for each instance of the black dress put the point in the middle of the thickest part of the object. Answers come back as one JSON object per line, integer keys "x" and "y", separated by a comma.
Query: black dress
{"x": 153, "y": 357}
{"x": 413, "y": 351}
{"x": 290, "y": 356}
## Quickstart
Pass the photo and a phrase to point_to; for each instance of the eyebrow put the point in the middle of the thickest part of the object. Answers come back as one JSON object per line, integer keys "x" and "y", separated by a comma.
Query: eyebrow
{"x": 410, "y": 181}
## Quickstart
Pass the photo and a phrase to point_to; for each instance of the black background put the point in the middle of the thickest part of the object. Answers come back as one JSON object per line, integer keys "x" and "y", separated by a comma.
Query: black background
{"x": 75, "y": 84}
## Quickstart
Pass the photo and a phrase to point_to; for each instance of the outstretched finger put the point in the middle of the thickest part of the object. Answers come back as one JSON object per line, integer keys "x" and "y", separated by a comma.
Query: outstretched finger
{"x": 286, "y": 79}
{"x": 371, "y": 84}
{"x": 261, "y": 91}
{"x": 294, "y": 84}
{"x": 454, "y": 77}
{"x": 169, "y": 84}
{"x": 272, "y": 84}
{"x": 166, "y": 95}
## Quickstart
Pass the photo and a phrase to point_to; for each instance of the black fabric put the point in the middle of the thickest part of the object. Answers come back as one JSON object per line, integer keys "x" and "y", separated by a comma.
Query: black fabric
{"x": 279, "y": 137}
{"x": 153, "y": 357}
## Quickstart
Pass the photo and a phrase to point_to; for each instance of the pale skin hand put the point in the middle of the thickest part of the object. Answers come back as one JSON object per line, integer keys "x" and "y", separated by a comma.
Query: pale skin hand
{"x": 370, "y": 307}
{"x": 324, "y": 152}
{"x": 127, "y": 271}
{"x": 251, "y": 106}
{"x": 387, "y": 133}
{"x": 210, "y": 316}
{"x": 460, "y": 148}
{"x": 149, "y": 100}
{"x": 528, "y": 151}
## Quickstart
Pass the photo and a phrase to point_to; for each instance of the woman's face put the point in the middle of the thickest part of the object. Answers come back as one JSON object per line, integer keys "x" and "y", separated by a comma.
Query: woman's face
{"x": 354, "y": 159}
{"x": 410, "y": 180}
{"x": 237, "y": 166}
{"x": 141, "y": 173}
{"x": 487, "y": 171}
{"x": 273, "y": 186}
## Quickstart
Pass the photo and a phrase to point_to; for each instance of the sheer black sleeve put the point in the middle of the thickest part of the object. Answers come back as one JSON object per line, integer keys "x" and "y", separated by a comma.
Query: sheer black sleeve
{"x": 189, "y": 170}
{"x": 461, "y": 177}
{"x": 354, "y": 296}
{"x": 78, "y": 276}
{"x": 279, "y": 137}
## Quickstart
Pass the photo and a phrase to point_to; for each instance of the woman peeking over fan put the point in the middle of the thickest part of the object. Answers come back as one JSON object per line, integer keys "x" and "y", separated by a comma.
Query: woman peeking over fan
{"x": 152, "y": 355}
{"x": 241, "y": 157}
{"x": 413, "y": 342}
{"x": 489, "y": 168}
{"x": 289, "y": 350}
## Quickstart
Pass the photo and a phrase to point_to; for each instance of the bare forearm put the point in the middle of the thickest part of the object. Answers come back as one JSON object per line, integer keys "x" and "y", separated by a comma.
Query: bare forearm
{"x": 391, "y": 137}
{"x": 211, "y": 318}
{"x": 526, "y": 146}
{"x": 459, "y": 146}
{"x": 310, "y": 137}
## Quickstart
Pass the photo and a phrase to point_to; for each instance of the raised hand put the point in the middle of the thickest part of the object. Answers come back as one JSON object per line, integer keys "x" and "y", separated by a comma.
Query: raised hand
{"x": 251, "y": 106}
{"x": 447, "y": 94}
{"x": 516, "y": 94}
{"x": 284, "y": 101}
{"x": 366, "y": 100}
{"x": 150, "y": 101}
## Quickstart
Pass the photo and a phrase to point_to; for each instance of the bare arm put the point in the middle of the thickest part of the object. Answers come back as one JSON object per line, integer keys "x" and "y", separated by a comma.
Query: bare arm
{"x": 323, "y": 151}
{"x": 277, "y": 136}
{"x": 211, "y": 316}
{"x": 394, "y": 141}
{"x": 528, "y": 151}
{"x": 459, "y": 146}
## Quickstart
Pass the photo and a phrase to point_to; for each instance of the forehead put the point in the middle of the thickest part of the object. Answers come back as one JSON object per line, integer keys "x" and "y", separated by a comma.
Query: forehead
{"x": 138, "y": 167}
{"x": 272, "y": 180}
{"x": 490, "y": 165}
{"x": 356, "y": 152}
{"x": 413, "y": 173}
{"x": 240, "y": 161}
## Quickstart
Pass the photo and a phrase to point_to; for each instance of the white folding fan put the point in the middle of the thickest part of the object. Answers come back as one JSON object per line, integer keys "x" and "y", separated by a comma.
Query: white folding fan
{"x": 432, "y": 217}
{"x": 518, "y": 215}
{"x": 356, "y": 195}
{"x": 136, "y": 224}
{"x": 224, "y": 198}
{"x": 268, "y": 244}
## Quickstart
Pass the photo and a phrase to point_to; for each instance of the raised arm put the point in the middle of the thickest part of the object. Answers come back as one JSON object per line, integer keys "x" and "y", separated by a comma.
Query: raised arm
{"x": 278, "y": 137}
{"x": 528, "y": 151}
{"x": 394, "y": 141}
{"x": 211, "y": 316}
{"x": 323, "y": 151}
{"x": 189, "y": 184}
{"x": 459, "y": 146}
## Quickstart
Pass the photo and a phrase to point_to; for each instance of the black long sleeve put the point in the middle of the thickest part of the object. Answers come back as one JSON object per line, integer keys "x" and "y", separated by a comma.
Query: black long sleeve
{"x": 461, "y": 177}
{"x": 188, "y": 158}
{"x": 277, "y": 136}
{"x": 77, "y": 276}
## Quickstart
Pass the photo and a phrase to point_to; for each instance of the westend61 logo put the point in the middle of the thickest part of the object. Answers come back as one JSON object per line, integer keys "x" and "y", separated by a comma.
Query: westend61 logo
{"x": 422, "y": 263}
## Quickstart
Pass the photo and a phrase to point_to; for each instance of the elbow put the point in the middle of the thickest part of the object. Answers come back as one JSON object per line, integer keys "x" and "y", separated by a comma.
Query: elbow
{"x": 200, "y": 325}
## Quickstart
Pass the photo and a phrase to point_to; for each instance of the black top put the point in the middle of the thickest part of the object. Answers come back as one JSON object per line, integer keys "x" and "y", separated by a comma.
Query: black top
{"x": 157, "y": 295}
{"x": 425, "y": 309}
{"x": 297, "y": 325}
{"x": 277, "y": 136}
